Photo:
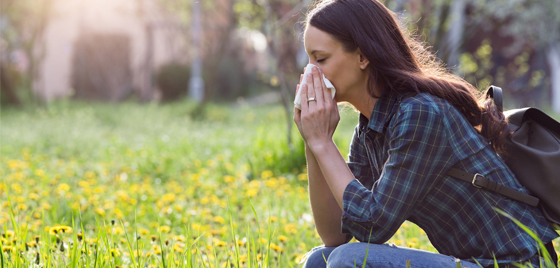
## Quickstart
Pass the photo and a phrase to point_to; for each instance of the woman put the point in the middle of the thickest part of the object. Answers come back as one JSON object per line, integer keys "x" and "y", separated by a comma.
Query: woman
{"x": 401, "y": 150}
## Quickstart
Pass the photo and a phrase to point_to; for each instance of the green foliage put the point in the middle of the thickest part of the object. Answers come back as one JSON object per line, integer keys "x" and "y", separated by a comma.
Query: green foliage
{"x": 537, "y": 22}
{"x": 476, "y": 67}
{"x": 233, "y": 81}
{"x": 249, "y": 14}
{"x": 221, "y": 192}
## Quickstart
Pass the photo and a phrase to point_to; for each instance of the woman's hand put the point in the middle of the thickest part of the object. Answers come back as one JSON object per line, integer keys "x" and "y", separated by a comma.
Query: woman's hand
{"x": 317, "y": 120}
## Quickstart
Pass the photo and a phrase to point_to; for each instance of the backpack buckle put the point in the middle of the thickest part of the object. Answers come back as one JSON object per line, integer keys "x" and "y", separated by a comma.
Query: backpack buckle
{"x": 474, "y": 180}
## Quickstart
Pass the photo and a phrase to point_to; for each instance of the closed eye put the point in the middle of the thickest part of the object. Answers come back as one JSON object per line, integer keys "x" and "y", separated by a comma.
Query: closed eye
{"x": 321, "y": 60}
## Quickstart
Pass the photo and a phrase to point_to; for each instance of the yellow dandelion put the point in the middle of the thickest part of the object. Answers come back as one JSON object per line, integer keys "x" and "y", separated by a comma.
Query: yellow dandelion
{"x": 178, "y": 248}
{"x": 165, "y": 229}
{"x": 53, "y": 230}
{"x": 100, "y": 211}
{"x": 252, "y": 192}
{"x": 220, "y": 243}
{"x": 271, "y": 183}
{"x": 283, "y": 238}
{"x": 8, "y": 249}
{"x": 180, "y": 238}
{"x": 143, "y": 231}
{"x": 302, "y": 177}
{"x": 229, "y": 179}
{"x": 66, "y": 229}
{"x": 219, "y": 219}
{"x": 63, "y": 187}
{"x": 276, "y": 247}
{"x": 299, "y": 258}
{"x": 39, "y": 172}
{"x": 266, "y": 174}
{"x": 243, "y": 258}
{"x": 115, "y": 252}
{"x": 9, "y": 234}
{"x": 290, "y": 228}
{"x": 33, "y": 196}
{"x": 215, "y": 232}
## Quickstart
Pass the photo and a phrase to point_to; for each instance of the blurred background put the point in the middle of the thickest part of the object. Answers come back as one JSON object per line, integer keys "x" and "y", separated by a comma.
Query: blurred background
{"x": 104, "y": 99}
{"x": 237, "y": 50}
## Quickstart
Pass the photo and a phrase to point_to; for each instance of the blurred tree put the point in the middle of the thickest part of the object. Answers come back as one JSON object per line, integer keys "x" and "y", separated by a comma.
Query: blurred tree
{"x": 279, "y": 20}
{"x": 218, "y": 24}
{"x": 22, "y": 24}
{"x": 506, "y": 42}
{"x": 532, "y": 24}
{"x": 8, "y": 77}
{"x": 173, "y": 79}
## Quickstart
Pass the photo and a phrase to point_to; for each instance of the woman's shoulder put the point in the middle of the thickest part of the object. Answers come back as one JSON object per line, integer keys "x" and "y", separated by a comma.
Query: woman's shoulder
{"x": 424, "y": 103}
{"x": 425, "y": 107}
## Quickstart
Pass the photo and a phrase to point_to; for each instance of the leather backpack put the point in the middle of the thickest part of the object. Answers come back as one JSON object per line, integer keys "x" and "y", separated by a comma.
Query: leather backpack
{"x": 533, "y": 155}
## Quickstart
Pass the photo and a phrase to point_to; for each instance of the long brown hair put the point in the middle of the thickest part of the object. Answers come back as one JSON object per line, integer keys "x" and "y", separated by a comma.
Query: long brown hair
{"x": 403, "y": 64}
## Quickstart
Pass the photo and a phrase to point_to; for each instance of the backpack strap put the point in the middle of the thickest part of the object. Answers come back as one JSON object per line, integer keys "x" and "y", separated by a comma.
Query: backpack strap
{"x": 495, "y": 93}
{"x": 480, "y": 181}
{"x": 552, "y": 252}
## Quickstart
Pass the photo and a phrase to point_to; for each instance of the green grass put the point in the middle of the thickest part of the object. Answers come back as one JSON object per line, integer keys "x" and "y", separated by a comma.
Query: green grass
{"x": 147, "y": 180}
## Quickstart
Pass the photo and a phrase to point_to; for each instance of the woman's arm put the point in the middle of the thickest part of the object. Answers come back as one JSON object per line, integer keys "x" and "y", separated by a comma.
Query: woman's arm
{"x": 317, "y": 121}
{"x": 326, "y": 211}
{"x": 334, "y": 171}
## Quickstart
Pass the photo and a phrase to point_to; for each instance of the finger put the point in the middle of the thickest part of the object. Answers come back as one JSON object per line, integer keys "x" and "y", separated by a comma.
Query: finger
{"x": 297, "y": 89}
{"x": 327, "y": 97}
{"x": 304, "y": 102}
{"x": 301, "y": 76}
{"x": 310, "y": 92}
{"x": 297, "y": 115}
{"x": 318, "y": 86}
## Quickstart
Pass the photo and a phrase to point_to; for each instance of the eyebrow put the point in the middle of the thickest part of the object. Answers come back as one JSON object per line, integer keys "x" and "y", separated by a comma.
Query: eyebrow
{"x": 315, "y": 51}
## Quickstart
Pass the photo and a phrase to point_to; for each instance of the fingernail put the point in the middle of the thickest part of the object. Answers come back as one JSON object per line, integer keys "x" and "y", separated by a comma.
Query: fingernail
{"x": 315, "y": 69}
{"x": 309, "y": 76}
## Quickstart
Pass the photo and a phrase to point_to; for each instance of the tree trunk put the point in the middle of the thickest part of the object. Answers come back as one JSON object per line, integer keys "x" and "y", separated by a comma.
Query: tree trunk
{"x": 553, "y": 57}
{"x": 147, "y": 83}
{"x": 455, "y": 33}
{"x": 287, "y": 103}
{"x": 7, "y": 89}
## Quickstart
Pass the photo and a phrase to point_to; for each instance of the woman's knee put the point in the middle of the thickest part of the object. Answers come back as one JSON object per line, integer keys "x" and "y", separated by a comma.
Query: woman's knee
{"x": 317, "y": 257}
{"x": 347, "y": 255}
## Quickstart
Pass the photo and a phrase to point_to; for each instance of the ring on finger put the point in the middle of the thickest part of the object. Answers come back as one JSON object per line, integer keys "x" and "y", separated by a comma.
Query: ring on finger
{"x": 311, "y": 99}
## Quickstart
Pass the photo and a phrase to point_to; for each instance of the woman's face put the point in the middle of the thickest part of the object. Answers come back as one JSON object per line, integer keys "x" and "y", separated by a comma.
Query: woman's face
{"x": 348, "y": 72}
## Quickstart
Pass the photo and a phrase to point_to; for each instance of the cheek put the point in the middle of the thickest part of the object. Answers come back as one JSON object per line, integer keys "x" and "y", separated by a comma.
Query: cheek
{"x": 341, "y": 73}
{"x": 339, "y": 77}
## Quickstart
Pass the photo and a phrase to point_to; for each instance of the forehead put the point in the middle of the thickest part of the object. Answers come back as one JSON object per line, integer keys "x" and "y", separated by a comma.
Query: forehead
{"x": 315, "y": 39}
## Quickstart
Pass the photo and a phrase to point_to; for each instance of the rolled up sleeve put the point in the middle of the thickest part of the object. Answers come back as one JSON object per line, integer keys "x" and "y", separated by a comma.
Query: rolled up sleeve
{"x": 419, "y": 155}
{"x": 358, "y": 161}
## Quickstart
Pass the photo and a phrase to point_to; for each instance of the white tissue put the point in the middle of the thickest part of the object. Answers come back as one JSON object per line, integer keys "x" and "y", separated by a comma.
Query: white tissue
{"x": 308, "y": 70}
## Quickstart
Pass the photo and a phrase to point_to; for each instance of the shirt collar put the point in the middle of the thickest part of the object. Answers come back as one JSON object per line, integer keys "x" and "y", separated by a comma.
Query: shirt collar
{"x": 382, "y": 111}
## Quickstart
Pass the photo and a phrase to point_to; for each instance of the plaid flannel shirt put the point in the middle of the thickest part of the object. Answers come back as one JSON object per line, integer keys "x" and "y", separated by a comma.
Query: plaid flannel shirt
{"x": 399, "y": 159}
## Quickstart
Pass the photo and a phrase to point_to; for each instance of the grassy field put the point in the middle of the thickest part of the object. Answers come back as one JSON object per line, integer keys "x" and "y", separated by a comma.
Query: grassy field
{"x": 90, "y": 184}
